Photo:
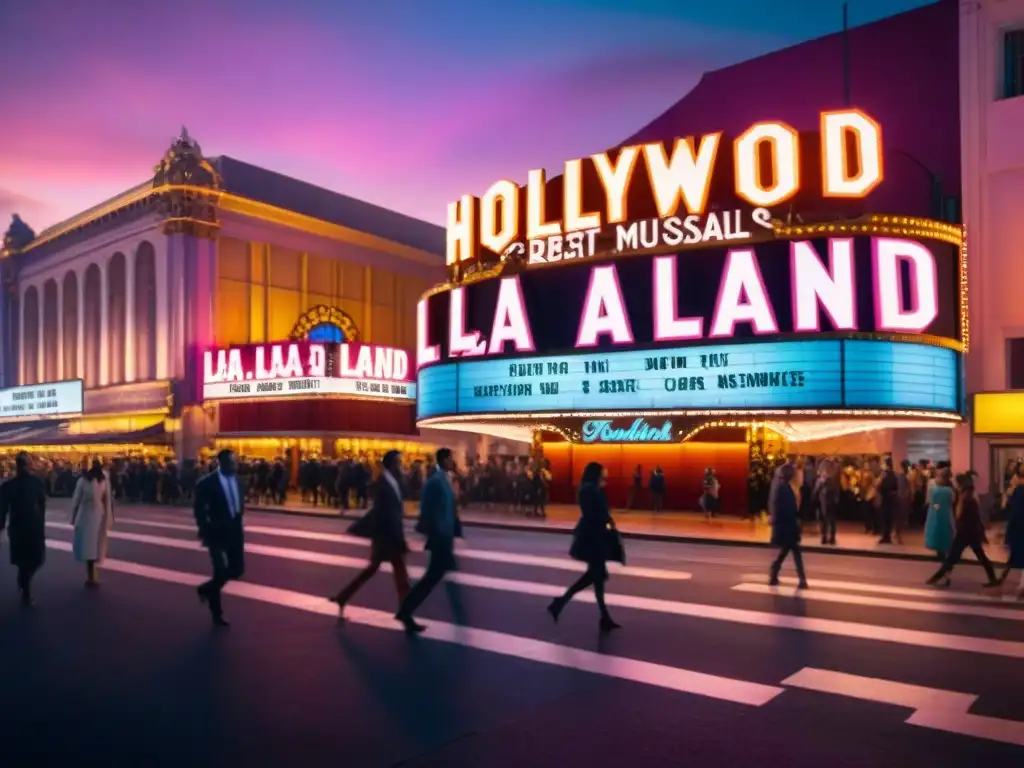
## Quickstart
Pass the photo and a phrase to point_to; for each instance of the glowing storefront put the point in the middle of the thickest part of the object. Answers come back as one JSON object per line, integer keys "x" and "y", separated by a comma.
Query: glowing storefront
{"x": 668, "y": 304}
{"x": 217, "y": 260}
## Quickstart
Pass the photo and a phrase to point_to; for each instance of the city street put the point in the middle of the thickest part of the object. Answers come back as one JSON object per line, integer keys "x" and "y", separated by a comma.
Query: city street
{"x": 711, "y": 667}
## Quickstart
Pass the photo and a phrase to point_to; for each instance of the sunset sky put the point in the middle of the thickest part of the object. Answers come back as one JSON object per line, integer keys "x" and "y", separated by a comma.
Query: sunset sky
{"x": 404, "y": 103}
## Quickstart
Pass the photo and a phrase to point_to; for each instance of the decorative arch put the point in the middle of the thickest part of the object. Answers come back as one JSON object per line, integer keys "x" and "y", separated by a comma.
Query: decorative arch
{"x": 91, "y": 302}
{"x": 70, "y": 329}
{"x": 145, "y": 312}
{"x": 50, "y": 331}
{"x": 30, "y": 320}
{"x": 327, "y": 324}
{"x": 116, "y": 317}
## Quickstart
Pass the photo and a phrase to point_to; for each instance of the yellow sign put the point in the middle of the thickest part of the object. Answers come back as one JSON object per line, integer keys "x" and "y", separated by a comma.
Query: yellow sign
{"x": 998, "y": 413}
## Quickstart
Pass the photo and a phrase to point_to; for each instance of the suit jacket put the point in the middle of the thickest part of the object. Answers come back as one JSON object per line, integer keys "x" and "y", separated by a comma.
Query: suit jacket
{"x": 387, "y": 528}
{"x": 212, "y": 511}
{"x": 23, "y": 512}
{"x": 439, "y": 521}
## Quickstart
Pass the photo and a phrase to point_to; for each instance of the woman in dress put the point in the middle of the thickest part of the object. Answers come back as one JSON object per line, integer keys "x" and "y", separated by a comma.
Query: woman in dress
{"x": 970, "y": 532}
{"x": 92, "y": 514}
{"x": 595, "y": 542}
{"x": 939, "y": 526}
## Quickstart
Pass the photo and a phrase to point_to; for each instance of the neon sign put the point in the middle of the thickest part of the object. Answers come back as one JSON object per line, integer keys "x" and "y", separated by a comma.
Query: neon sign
{"x": 820, "y": 289}
{"x": 304, "y": 369}
{"x": 604, "y": 431}
{"x": 677, "y": 180}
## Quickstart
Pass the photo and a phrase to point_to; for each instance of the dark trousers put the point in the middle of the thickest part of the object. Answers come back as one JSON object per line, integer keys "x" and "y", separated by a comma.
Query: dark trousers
{"x": 828, "y": 525}
{"x": 401, "y": 580}
{"x": 798, "y": 561}
{"x": 657, "y": 500}
{"x": 885, "y": 520}
{"x": 596, "y": 575}
{"x": 960, "y": 543}
{"x": 25, "y": 574}
{"x": 441, "y": 562}
{"x": 228, "y": 558}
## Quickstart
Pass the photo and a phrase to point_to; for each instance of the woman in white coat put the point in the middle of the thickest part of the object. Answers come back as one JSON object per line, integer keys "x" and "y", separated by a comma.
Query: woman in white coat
{"x": 92, "y": 513}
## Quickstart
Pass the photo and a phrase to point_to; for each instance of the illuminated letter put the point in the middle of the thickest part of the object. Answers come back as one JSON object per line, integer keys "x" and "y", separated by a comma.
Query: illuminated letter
{"x": 510, "y": 320}
{"x": 494, "y": 235}
{"x": 615, "y": 180}
{"x": 462, "y": 231}
{"x": 742, "y": 280}
{"x": 668, "y": 327}
{"x": 604, "y": 311}
{"x": 572, "y": 200}
{"x": 426, "y": 353}
{"x": 924, "y": 289}
{"x": 835, "y": 165}
{"x": 784, "y": 145}
{"x": 687, "y": 175}
{"x": 536, "y": 193}
{"x": 460, "y": 343}
{"x": 832, "y": 287}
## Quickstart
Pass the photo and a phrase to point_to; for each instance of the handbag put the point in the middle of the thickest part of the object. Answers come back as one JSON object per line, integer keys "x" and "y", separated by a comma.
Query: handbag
{"x": 363, "y": 527}
{"x": 616, "y": 550}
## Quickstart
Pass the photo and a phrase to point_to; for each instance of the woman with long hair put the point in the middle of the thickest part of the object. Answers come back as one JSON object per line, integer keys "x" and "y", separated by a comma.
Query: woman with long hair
{"x": 939, "y": 525}
{"x": 92, "y": 513}
{"x": 970, "y": 532}
{"x": 595, "y": 542}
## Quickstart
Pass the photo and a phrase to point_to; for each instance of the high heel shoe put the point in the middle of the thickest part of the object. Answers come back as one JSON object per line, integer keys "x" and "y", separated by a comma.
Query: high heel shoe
{"x": 607, "y": 625}
{"x": 555, "y": 609}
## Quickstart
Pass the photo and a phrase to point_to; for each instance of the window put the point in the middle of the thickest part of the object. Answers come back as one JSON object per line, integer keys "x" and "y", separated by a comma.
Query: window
{"x": 1013, "y": 63}
{"x": 1015, "y": 363}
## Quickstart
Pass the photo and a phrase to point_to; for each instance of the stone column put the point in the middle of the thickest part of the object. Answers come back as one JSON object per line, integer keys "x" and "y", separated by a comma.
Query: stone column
{"x": 41, "y": 337}
{"x": 60, "y": 330}
{"x": 163, "y": 321}
{"x": 104, "y": 325}
{"x": 80, "y": 330}
{"x": 129, "y": 316}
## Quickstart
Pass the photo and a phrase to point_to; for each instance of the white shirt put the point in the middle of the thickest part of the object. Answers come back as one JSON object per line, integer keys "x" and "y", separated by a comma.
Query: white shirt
{"x": 230, "y": 486}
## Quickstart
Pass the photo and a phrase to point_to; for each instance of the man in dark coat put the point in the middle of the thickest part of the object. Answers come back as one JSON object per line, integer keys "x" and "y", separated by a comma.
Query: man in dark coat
{"x": 23, "y": 512}
{"x": 889, "y": 490}
{"x": 219, "y": 506}
{"x": 786, "y": 526}
{"x": 384, "y": 524}
{"x": 439, "y": 522}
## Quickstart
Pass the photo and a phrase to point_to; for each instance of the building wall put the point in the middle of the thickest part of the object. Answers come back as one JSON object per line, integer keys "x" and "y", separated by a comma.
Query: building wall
{"x": 993, "y": 204}
{"x": 264, "y": 288}
{"x": 92, "y": 310}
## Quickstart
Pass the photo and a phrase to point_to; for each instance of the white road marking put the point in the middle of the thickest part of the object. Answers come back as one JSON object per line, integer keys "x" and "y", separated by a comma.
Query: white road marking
{"x": 911, "y": 637}
{"x": 882, "y": 602}
{"x": 886, "y": 589}
{"x": 634, "y": 670}
{"x": 489, "y": 555}
{"x": 933, "y": 708}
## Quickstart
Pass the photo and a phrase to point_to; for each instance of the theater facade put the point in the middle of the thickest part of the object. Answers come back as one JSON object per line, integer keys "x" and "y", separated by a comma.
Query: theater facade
{"x": 675, "y": 303}
{"x": 216, "y": 304}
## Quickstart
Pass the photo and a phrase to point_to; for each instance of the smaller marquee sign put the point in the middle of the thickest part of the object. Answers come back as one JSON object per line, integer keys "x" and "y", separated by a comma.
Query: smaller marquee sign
{"x": 42, "y": 401}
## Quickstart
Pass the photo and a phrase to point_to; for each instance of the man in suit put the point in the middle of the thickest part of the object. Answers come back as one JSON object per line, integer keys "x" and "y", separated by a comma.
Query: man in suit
{"x": 23, "y": 512}
{"x": 384, "y": 524}
{"x": 440, "y": 524}
{"x": 218, "y": 511}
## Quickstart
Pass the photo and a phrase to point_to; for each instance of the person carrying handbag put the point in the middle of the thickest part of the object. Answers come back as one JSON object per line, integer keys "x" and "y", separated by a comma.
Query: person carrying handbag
{"x": 595, "y": 542}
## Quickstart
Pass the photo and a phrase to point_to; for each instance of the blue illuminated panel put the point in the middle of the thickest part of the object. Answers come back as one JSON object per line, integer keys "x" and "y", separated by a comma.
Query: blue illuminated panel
{"x": 766, "y": 376}
{"x": 887, "y": 375}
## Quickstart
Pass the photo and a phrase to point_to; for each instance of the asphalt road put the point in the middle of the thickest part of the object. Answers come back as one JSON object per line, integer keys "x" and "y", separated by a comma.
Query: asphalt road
{"x": 712, "y": 667}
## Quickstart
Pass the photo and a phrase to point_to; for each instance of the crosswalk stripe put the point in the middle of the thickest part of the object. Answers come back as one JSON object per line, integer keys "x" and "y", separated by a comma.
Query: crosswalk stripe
{"x": 887, "y": 589}
{"x": 932, "y": 708}
{"x": 911, "y": 637}
{"x": 489, "y": 555}
{"x": 882, "y": 602}
{"x": 634, "y": 670}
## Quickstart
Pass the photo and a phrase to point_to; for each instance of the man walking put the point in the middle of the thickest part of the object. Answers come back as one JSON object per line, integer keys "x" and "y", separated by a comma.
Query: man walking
{"x": 23, "y": 512}
{"x": 440, "y": 524}
{"x": 218, "y": 511}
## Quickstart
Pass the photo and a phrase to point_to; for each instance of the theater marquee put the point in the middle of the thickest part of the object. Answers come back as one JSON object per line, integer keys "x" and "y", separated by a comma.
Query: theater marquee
{"x": 702, "y": 310}
{"x": 304, "y": 369}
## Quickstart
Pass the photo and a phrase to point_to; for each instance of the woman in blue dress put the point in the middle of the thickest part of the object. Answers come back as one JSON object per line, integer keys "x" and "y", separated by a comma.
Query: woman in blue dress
{"x": 939, "y": 526}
